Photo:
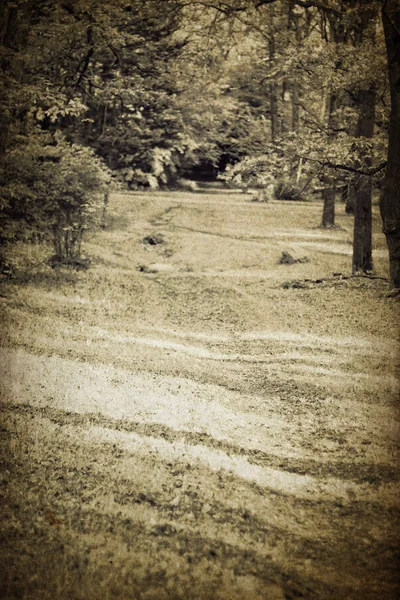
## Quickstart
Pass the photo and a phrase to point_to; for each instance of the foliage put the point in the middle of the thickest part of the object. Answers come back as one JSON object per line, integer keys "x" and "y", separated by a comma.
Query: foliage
{"x": 51, "y": 188}
{"x": 75, "y": 75}
{"x": 317, "y": 80}
{"x": 270, "y": 90}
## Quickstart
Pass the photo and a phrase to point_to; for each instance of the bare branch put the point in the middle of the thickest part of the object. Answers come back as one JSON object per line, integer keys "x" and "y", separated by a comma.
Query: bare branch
{"x": 331, "y": 165}
{"x": 387, "y": 16}
{"x": 320, "y": 5}
{"x": 227, "y": 8}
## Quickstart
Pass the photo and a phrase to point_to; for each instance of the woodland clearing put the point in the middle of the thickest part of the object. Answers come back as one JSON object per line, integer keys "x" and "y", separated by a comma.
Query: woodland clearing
{"x": 179, "y": 424}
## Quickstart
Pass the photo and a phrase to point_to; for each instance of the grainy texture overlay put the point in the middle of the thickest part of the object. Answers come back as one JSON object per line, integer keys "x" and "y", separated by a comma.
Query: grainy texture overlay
{"x": 190, "y": 419}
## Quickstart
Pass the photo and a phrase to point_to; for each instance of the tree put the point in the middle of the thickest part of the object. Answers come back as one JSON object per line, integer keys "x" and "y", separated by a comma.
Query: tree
{"x": 52, "y": 190}
{"x": 362, "y": 241}
{"x": 282, "y": 93}
{"x": 49, "y": 186}
{"x": 390, "y": 199}
{"x": 79, "y": 74}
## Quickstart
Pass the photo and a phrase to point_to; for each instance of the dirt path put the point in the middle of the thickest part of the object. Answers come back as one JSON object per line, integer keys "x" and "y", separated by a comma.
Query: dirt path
{"x": 177, "y": 425}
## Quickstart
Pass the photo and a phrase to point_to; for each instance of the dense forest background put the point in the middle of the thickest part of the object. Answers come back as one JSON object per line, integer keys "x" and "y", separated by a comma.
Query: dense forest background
{"x": 293, "y": 97}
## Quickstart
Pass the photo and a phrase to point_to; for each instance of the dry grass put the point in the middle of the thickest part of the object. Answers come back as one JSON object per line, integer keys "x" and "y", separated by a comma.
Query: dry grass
{"x": 197, "y": 431}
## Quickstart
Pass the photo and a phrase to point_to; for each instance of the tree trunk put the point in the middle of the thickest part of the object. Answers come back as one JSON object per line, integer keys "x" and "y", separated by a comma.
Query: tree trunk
{"x": 103, "y": 223}
{"x": 8, "y": 15}
{"x": 350, "y": 198}
{"x": 273, "y": 100}
{"x": 295, "y": 107}
{"x": 273, "y": 87}
{"x": 362, "y": 239}
{"x": 390, "y": 199}
{"x": 8, "y": 30}
{"x": 329, "y": 195}
{"x": 294, "y": 25}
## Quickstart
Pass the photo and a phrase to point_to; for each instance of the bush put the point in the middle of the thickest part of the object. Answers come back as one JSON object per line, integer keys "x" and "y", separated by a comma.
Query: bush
{"x": 287, "y": 190}
{"x": 56, "y": 189}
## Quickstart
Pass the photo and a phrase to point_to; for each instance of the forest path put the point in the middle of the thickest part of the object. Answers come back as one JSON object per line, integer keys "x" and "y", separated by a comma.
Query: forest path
{"x": 194, "y": 430}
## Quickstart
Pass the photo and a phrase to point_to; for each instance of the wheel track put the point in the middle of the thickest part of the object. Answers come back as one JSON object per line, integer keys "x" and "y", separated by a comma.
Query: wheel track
{"x": 372, "y": 473}
{"x": 139, "y": 436}
{"x": 234, "y": 535}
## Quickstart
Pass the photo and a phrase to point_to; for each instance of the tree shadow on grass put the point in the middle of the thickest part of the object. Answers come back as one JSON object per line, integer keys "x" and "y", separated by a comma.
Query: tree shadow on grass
{"x": 45, "y": 277}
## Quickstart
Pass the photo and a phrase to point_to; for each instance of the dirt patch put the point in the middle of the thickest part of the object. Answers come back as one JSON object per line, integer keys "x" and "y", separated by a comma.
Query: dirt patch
{"x": 288, "y": 259}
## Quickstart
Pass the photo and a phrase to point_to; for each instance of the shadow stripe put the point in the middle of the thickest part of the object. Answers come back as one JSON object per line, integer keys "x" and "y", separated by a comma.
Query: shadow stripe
{"x": 370, "y": 473}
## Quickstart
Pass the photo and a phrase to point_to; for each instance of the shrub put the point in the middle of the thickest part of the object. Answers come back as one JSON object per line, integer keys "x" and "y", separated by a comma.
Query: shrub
{"x": 287, "y": 190}
{"x": 56, "y": 189}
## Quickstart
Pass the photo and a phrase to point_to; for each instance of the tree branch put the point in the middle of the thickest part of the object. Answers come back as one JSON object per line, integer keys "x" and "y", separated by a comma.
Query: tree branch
{"x": 320, "y": 5}
{"x": 85, "y": 66}
{"x": 331, "y": 165}
{"x": 392, "y": 24}
{"x": 228, "y": 9}
{"x": 262, "y": 2}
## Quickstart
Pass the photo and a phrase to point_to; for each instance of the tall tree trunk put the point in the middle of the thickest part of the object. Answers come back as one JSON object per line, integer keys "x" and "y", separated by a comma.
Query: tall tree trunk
{"x": 329, "y": 196}
{"x": 329, "y": 192}
{"x": 273, "y": 88}
{"x": 273, "y": 107}
{"x": 286, "y": 110}
{"x": 294, "y": 25}
{"x": 350, "y": 198}
{"x": 337, "y": 34}
{"x": 390, "y": 199}
{"x": 8, "y": 15}
{"x": 362, "y": 239}
{"x": 295, "y": 106}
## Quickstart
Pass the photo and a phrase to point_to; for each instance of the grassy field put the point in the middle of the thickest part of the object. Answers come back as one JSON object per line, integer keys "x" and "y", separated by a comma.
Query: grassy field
{"x": 189, "y": 419}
